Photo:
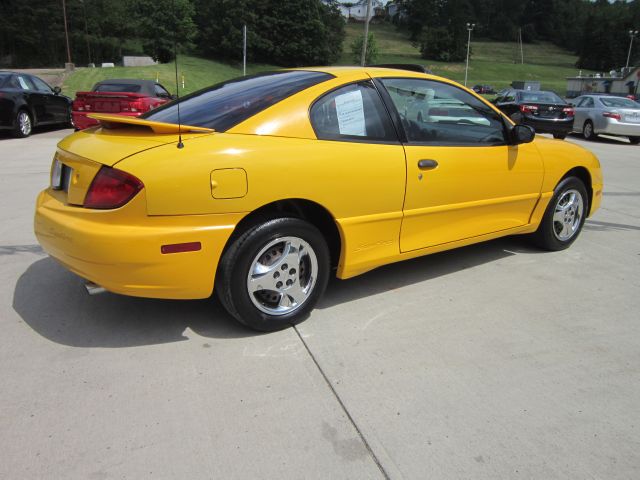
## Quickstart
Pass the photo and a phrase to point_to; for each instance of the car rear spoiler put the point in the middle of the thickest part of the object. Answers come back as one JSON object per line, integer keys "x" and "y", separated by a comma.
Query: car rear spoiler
{"x": 121, "y": 121}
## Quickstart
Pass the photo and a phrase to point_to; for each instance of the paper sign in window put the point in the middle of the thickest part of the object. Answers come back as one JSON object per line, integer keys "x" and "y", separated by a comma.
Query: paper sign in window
{"x": 350, "y": 111}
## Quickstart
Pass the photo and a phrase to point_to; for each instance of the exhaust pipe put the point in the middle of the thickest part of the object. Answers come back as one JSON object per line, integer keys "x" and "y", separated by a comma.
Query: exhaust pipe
{"x": 93, "y": 289}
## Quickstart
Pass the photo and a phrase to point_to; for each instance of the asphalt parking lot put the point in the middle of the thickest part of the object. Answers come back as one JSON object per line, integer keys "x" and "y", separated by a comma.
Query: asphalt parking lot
{"x": 496, "y": 361}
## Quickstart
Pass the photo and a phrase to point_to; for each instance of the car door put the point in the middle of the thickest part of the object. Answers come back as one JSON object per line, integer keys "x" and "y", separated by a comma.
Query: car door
{"x": 463, "y": 179}
{"x": 583, "y": 111}
{"x": 34, "y": 99}
{"x": 56, "y": 106}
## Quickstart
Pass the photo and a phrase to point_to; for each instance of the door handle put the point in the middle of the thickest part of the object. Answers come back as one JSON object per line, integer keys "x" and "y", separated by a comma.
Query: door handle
{"x": 427, "y": 164}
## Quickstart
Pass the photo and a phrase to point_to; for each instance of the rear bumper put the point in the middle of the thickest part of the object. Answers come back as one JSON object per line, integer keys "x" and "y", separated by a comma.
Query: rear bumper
{"x": 120, "y": 249}
{"x": 82, "y": 121}
{"x": 549, "y": 126}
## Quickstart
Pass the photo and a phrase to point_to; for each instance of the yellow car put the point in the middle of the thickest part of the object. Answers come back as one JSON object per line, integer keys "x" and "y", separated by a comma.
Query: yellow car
{"x": 263, "y": 186}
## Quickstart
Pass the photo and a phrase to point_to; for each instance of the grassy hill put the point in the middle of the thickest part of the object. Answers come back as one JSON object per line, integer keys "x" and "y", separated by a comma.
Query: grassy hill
{"x": 492, "y": 63}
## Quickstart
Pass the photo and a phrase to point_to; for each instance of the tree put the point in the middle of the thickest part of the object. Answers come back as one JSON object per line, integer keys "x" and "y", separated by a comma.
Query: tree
{"x": 372, "y": 50}
{"x": 291, "y": 33}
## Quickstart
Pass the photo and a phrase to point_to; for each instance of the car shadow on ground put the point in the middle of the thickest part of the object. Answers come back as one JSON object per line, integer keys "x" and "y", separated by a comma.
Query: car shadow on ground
{"x": 611, "y": 140}
{"x": 54, "y": 303}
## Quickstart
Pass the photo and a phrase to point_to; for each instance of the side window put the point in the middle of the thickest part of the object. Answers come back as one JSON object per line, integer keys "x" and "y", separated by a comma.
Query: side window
{"x": 161, "y": 92}
{"x": 441, "y": 114}
{"x": 40, "y": 85}
{"x": 25, "y": 83}
{"x": 510, "y": 96}
{"x": 352, "y": 113}
{"x": 588, "y": 103}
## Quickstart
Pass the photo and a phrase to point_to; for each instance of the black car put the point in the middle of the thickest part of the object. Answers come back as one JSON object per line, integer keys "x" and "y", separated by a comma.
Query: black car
{"x": 26, "y": 101}
{"x": 486, "y": 89}
{"x": 545, "y": 111}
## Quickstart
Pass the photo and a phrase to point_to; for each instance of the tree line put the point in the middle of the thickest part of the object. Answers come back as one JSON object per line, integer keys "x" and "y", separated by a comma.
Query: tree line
{"x": 301, "y": 32}
{"x": 597, "y": 31}
{"x": 286, "y": 33}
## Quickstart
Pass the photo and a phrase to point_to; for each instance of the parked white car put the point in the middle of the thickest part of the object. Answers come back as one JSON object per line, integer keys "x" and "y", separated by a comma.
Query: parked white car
{"x": 607, "y": 114}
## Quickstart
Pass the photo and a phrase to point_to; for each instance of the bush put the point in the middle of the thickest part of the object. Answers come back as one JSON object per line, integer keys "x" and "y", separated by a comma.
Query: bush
{"x": 372, "y": 50}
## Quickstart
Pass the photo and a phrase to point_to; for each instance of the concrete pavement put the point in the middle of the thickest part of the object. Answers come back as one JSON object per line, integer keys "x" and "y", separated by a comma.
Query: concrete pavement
{"x": 495, "y": 361}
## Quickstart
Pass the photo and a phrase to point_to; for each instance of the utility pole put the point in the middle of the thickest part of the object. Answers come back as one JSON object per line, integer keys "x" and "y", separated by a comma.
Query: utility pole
{"x": 244, "y": 50}
{"x": 466, "y": 70}
{"x": 366, "y": 35}
{"x": 521, "y": 50}
{"x": 86, "y": 30}
{"x": 66, "y": 30}
{"x": 632, "y": 34}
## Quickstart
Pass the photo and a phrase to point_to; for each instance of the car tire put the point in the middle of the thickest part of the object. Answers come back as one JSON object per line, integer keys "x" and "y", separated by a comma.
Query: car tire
{"x": 564, "y": 217}
{"x": 560, "y": 136}
{"x": 634, "y": 140}
{"x": 272, "y": 275}
{"x": 23, "y": 124}
{"x": 587, "y": 131}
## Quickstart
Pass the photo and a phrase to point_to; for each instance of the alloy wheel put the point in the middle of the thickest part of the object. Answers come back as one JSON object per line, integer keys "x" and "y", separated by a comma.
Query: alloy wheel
{"x": 567, "y": 215}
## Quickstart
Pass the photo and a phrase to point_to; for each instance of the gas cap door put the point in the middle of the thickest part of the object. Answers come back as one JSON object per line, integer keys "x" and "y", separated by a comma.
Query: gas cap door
{"x": 229, "y": 183}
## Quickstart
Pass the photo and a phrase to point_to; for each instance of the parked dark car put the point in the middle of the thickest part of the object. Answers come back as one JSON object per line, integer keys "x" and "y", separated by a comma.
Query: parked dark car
{"x": 486, "y": 89}
{"x": 545, "y": 111}
{"x": 27, "y": 101}
{"x": 126, "y": 96}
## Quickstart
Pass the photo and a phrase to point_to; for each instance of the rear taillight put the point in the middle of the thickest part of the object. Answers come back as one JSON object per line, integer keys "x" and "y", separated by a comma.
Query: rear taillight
{"x": 111, "y": 188}
{"x": 568, "y": 111}
{"x": 77, "y": 105}
{"x": 528, "y": 108}
{"x": 134, "y": 107}
{"x": 615, "y": 116}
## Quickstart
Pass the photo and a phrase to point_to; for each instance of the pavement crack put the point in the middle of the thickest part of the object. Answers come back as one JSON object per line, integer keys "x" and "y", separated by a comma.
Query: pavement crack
{"x": 343, "y": 406}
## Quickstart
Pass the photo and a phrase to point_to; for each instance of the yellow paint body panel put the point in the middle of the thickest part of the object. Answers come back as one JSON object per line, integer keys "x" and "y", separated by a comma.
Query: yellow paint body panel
{"x": 383, "y": 211}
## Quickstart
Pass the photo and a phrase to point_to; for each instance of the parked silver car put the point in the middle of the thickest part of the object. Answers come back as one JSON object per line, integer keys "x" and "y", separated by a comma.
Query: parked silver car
{"x": 607, "y": 114}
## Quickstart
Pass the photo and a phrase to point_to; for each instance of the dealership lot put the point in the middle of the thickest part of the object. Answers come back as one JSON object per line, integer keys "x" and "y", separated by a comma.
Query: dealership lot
{"x": 493, "y": 361}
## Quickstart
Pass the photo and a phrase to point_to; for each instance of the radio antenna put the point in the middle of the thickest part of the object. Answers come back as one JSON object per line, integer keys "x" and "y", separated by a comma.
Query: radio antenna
{"x": 175, "y": 60}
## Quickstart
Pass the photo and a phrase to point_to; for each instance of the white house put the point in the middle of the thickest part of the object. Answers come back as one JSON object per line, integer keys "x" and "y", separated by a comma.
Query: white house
{"x": 357, "y": 9}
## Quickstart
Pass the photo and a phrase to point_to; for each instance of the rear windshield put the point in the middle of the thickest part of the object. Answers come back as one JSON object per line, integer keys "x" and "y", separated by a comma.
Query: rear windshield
{"x": 117, "y": 87}
{"x": 619, "y": 102}
{"x": 228, "y": 103}
{"x": 540, "y": 97}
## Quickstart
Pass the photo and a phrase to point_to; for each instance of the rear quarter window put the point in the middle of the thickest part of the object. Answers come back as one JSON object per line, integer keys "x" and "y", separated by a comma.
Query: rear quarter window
{"x": 227, "y": 104}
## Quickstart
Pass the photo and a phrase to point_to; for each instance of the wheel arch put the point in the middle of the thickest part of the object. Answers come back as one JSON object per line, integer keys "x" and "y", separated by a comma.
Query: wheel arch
{"x": 303, "y": 209}
{"x": 582, "y": 173}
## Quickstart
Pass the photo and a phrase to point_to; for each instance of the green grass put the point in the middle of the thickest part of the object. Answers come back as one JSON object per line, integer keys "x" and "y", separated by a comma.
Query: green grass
{"x": 198, "y": 73}
{"x": 492, "y": 63}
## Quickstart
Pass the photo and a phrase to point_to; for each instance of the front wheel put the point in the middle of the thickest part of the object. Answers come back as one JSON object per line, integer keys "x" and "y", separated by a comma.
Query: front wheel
{"x": 273, "y": 274}
{"x": 634, "y": 140}
{"x": 564, "y": 217}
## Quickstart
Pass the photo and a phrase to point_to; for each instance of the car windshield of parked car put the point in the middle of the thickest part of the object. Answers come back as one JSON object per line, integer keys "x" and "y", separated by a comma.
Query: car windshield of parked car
{"x": 540, "y": 97}
{"x": 226, "y": 104}
{"x": 117, "y": 87}
{"x": 619, "y": 102}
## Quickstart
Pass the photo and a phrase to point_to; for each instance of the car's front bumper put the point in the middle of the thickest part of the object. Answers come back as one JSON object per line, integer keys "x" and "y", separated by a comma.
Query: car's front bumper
{"x": 120, "y": 249}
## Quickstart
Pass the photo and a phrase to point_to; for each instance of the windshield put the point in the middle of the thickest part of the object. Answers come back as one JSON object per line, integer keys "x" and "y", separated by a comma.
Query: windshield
{"x": 117, "y": 87}
{"x": 540, "y": 97}
{"x": 226, "y": 104}
{"x": 619, "y": 102}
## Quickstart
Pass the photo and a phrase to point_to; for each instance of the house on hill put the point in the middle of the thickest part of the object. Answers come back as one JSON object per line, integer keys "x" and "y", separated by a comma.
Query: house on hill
{"x": 357, "y": 9}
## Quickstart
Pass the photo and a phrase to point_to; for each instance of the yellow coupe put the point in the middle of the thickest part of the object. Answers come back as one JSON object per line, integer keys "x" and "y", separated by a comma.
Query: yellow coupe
{"x": 263, "y": 186}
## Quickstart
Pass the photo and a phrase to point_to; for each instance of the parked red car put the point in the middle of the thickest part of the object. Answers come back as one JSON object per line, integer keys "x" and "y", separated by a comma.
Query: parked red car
{"x": 120, "y": 96}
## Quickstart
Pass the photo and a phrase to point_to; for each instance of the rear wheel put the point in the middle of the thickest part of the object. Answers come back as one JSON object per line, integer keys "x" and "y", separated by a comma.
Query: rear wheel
{"x": 560, "y": 136}
{"x": 564, "y": 217}
{"x": 273, "y": 274}
{"x": 587, "y": 131}
{"x": 634, "y": 140}
{"x": 23, "y": 124}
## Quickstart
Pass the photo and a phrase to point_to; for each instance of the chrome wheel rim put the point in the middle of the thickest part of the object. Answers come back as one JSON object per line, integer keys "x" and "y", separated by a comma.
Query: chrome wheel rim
{"x": 588, "y": 130}
{"x": 567, "y": 215}
{"x": 24, "y": 123}
{"x": 282, "y": 276}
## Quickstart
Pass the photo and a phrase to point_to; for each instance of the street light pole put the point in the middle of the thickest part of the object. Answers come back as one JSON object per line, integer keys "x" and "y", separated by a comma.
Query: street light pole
{"x": 66, "y": 30}
{"x": 365, "y": 40}
{"x": 632, "y": 34}
{"x": 466, "y": 70}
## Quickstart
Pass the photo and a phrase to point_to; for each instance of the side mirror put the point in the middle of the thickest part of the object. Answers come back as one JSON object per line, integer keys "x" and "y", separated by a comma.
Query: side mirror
{"x": 57, "y": 90}
{"x": 522, "y": 134}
